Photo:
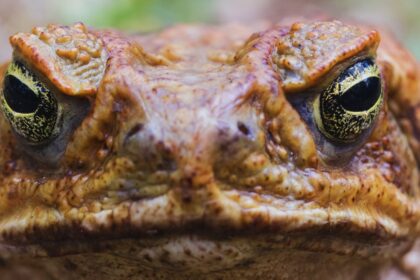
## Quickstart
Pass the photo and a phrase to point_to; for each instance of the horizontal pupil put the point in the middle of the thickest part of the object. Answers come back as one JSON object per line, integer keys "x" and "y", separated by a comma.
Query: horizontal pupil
{"x": 19, "y": 96}
{"x": 362, "y": 96}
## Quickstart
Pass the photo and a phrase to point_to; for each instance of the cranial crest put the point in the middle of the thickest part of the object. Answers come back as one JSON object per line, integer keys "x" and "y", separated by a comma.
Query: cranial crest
{"x": 72, "y": 58}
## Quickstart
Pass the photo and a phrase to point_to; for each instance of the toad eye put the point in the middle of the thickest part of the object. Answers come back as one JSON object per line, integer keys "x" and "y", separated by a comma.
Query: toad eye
{"x": 349, "y": 106}
{"x": 29, "y": 105}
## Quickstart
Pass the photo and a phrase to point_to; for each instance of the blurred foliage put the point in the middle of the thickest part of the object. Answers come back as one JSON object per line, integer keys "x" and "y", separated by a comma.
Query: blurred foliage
{"x": 134, "y": 15}
{"x": 401, "y": 17}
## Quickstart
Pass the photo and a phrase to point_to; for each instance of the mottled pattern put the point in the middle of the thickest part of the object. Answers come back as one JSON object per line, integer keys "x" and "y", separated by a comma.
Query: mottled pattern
{"x": 197, "y": 160}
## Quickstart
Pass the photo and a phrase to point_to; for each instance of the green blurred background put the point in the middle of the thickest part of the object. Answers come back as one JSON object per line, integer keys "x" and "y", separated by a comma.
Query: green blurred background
{"x": 401, "y": 17}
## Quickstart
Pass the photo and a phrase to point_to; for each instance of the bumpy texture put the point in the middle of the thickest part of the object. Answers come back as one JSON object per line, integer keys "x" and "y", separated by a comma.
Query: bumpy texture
{"x": 73, "y": 59}
{"x": 196, "y": 160}
{"x": 309, "y": 51}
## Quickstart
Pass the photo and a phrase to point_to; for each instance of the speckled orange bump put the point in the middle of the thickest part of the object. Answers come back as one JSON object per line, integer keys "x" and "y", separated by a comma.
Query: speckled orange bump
{"x": 193, "y": 160}
{"x": 72, "y": 58}
{"x": 309, "y": 51}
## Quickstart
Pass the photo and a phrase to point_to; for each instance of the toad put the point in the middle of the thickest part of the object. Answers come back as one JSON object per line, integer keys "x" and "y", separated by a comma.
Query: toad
{"x": 271, "y": 151}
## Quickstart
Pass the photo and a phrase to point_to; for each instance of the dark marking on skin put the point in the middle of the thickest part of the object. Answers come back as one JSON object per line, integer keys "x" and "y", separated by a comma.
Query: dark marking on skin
{"x": 243, "y": 128}
{"x": 134, "y": 130}
{"x": 9, "y": 167}
{"x": 69, "y": 265}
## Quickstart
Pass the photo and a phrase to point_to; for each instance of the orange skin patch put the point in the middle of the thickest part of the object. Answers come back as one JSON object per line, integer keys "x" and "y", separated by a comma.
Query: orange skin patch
{"x": 310, "y": 51}
{"x": 70, "y": 57}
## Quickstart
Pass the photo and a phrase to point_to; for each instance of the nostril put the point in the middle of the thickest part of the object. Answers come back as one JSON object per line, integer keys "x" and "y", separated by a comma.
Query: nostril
{"x": 147, "y": 149}
{"x": 243, "y": 128}
{"x": 135, "y": 129}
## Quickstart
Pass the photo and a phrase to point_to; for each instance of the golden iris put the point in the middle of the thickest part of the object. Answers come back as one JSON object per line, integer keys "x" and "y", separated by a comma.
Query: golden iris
{"x": 348, "y": 107}
{"x": 29, "y": 105}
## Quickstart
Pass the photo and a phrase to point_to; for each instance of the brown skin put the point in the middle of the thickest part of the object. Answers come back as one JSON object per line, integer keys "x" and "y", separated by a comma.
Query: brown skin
{"x": 193, "y": 160}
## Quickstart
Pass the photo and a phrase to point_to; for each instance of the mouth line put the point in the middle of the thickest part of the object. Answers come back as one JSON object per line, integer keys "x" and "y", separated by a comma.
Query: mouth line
{"x": 321, "y": 241}
{"x": 227, "y": 211}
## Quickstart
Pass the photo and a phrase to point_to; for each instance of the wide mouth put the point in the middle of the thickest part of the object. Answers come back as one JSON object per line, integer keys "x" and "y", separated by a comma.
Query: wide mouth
{"x": 214, "y": 231}
{"x": 215, "y": 213}
{"x": 197, "y": 249}
{"x": 117, "y": 204}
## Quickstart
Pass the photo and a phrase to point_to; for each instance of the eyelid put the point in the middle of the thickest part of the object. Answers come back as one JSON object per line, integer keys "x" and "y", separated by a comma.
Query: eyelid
{"x": 370, "y": 71}
{"x": 23, "y": 76}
